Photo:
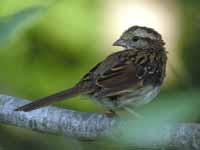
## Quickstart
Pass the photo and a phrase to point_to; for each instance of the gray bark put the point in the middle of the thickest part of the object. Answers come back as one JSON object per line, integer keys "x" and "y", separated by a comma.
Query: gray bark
{"x": 82, "y": 125}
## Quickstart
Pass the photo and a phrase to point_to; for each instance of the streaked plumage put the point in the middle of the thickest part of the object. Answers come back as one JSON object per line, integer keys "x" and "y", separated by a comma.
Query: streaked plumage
{"x": 128, "y": 78}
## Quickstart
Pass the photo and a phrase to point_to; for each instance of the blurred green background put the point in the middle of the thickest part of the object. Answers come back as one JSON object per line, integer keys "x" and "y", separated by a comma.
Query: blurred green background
{"x": 46, "y": 46}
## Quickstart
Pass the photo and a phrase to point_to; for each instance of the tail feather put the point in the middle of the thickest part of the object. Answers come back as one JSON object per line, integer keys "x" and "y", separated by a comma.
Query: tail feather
{"x": 52, "y": 98}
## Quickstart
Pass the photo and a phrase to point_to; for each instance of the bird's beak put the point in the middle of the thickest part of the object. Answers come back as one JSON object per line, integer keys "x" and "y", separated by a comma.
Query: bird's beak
{"x": 119, "y": 42}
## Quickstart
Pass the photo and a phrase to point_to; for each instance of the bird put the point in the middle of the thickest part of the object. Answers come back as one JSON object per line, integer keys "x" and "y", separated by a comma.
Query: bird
{"x": 124, "y": 80}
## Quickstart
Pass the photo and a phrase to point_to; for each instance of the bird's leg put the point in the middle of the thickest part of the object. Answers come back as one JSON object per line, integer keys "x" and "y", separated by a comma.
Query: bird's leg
{"x": 132, "y": 112}
{"x": 110, "y": 113}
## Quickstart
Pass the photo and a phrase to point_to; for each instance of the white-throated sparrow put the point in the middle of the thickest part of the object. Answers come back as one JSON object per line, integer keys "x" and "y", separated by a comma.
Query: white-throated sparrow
{"x": 125, "y": 79}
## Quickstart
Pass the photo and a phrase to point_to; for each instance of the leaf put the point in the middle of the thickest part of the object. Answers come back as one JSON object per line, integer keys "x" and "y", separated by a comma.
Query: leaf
{"x": 11, "y": 25}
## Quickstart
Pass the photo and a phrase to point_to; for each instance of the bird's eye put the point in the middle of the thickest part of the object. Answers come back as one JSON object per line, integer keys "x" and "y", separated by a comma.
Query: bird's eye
{"x": 135, "y": 38}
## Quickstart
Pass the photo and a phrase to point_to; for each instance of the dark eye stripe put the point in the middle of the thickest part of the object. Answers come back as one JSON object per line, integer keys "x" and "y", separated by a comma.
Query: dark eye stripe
{"x": 149, "y": 39}
{"x": 135, "y": 38}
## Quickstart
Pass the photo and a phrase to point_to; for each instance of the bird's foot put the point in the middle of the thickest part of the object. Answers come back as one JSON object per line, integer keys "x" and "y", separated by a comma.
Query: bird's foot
{"x": 111, "y": 114}
{"x": 132, "y": 112}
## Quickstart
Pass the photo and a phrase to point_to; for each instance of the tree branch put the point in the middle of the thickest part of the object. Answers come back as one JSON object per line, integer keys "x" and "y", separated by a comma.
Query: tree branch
{"x": 53, "y": 120}
{"x": 92, "y": 126}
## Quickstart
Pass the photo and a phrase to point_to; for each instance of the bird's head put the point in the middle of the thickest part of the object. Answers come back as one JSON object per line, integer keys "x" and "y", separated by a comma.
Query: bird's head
{"x": 140, "y": 38}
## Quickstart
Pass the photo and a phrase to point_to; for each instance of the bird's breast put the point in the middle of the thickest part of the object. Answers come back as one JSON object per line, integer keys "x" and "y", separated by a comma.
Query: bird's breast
{"x": 133, "y": 98}
{"x": 139, "y": 97}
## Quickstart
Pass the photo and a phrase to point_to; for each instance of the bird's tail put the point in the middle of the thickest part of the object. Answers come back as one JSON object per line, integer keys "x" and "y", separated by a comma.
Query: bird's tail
{"x": 74, "y": 91}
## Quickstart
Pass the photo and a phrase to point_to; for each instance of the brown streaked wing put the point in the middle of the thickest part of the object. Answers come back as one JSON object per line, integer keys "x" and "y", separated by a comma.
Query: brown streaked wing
{"x": 88, "y": 75}
{"x": 119, "y": 79}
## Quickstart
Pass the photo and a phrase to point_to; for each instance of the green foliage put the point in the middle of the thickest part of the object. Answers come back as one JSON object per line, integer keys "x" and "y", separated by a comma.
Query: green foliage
{"x": 11, "y": 25}
{"x": 190, "y": 42}
{"x": 40, "y": 56}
